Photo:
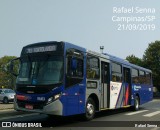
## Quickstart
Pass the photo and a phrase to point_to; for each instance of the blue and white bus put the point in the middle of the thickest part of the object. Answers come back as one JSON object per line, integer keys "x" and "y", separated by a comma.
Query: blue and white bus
{"x": 59, "y": 78}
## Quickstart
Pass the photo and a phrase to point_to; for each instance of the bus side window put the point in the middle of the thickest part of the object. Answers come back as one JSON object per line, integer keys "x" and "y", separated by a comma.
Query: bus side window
{"x": 93, "y": 67}
{"x": 135, "y": 77}
{"x": 78, "y": 70}
{"x": 148, "y": 78}
{"x": 74, "y": 69}
{"x": 116, "y": 72}
{"x": 113, "y": 78}
{"x": 141, "y": 77}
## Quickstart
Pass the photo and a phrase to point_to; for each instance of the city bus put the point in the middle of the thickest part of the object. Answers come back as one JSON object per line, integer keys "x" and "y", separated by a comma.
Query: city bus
{"x": 60, "y": 78}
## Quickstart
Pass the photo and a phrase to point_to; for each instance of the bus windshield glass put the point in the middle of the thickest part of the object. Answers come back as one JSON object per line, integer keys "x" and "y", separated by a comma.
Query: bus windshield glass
{"x": 41, "y": 70}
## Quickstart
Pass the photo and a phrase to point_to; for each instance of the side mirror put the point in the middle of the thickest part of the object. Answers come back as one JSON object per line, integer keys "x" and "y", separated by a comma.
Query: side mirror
{"x": 73, "y": 63}
{"x": 13, "y": 68}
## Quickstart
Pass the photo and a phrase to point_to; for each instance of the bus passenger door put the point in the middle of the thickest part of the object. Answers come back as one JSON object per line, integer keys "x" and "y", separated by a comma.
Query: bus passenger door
{"x": 105, "y": 83}
{"x": 127, "y": 86}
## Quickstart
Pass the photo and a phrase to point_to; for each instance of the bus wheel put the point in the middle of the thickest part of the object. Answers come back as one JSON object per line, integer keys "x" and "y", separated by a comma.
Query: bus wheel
{"x": 90, "y": 109}
{"x": 136, "y": 103}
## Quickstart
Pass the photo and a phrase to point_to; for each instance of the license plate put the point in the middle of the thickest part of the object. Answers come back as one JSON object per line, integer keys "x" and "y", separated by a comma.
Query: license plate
{"x": 27, "y": 106}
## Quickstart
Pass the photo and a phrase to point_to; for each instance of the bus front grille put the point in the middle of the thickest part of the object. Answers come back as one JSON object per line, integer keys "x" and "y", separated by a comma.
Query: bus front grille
{"x": 36, "y": 105}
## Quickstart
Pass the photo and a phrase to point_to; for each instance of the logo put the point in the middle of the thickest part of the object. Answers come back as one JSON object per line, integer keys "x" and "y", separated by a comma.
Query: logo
{"x": 41, "y": 98}
{"x": 6, "y": 124}
{"x": 114, "y": 88}
{"x": 136, "y": 88}
{"x": 18, "y": 124}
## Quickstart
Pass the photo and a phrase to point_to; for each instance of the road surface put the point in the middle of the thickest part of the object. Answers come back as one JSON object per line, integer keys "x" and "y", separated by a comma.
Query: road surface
{"x": 148, "y": 116}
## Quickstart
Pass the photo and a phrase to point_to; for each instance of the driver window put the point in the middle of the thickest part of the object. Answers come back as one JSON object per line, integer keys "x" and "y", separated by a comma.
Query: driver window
{"x": 74, "y": 67}
{"x": 78, "y": 71}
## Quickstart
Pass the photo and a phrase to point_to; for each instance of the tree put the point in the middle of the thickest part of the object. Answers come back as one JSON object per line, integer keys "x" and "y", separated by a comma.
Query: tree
{"x": 135, "y": 60}
{"x": 7, "y": 80}
{"x": 151, "y": 59}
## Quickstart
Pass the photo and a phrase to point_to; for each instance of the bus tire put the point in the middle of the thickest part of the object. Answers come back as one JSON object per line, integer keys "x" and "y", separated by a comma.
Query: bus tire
{"x": 90, "y": 109}
{"x": 136, "y": 103}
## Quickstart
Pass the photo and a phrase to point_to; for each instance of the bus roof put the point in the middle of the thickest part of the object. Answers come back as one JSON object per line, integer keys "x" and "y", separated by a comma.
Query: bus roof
{"x": 104, "y": 55}
{"x": 118, "y": 60}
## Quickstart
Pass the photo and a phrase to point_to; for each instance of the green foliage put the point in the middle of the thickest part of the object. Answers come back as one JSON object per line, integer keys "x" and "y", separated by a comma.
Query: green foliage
{"x": 7, "y": 80}
{"x": 135, "y": 60}
{"x": 151, "y": 59}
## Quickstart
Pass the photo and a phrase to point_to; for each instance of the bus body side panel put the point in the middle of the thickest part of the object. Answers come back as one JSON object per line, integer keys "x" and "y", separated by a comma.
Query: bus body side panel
{"x": 116, "y": 94}
{"x": 135, "y": 91}
{"x": 74, "y": 96}
{"x": 125, "y": 99}
{"x": 127, "y": 94}
{"x": 73, "y": 101}
{"x": 147, "y": 93}
{"x": 143, "y": 91}
{"x": 139, "y": 93}
{"x": 120, "y": 95}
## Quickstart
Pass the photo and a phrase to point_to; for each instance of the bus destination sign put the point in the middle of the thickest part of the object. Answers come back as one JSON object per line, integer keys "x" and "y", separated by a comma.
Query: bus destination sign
{"x": 41, "y": 49}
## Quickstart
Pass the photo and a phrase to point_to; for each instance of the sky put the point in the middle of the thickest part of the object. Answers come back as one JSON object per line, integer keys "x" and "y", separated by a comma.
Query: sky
{"x": 86, "y": 23}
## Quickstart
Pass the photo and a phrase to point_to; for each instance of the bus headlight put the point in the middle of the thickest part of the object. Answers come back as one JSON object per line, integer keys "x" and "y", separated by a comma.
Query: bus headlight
{"x": 55, "y": 97}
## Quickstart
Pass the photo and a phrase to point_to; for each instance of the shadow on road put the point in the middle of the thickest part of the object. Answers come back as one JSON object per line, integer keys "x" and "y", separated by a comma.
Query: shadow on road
{"x": 77, "y": 121}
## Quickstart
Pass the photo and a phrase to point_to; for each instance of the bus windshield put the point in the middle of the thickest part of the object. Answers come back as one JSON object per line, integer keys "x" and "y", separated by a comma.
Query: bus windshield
{"x": 41, "y": 70}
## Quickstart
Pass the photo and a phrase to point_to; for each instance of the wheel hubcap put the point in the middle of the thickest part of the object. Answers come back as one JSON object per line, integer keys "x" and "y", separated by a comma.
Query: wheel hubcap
{"x": 137, "y": 104}
{"x": 90, "y": 108}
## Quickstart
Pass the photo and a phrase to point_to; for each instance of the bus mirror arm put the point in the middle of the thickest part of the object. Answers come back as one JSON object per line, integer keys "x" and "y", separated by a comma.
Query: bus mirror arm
{"x": 12, "y": 66}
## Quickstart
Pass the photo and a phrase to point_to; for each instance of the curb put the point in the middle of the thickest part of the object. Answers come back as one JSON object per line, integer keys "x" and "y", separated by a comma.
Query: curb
{"x": 1, "y": 109}
{"x": 7, "y": 110}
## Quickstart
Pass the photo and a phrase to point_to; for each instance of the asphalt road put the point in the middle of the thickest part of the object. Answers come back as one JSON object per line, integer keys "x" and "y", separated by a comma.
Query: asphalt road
{"x": 148, "y": 116}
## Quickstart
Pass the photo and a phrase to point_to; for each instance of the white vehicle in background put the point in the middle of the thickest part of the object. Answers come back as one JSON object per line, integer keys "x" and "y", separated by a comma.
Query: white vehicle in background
{"x": 7, "y": 95}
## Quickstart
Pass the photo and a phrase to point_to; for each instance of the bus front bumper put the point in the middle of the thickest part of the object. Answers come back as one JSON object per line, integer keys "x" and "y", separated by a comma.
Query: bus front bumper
{"x": 54, "y": 108}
